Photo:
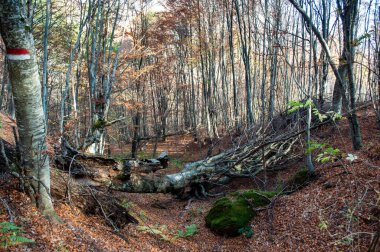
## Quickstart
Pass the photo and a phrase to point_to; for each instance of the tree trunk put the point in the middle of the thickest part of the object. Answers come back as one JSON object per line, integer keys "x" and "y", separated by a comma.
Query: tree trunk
{"x": 45, "y": 61}
{"x": 26, "y": 87}
{"x": 136, "y": 134}
{"x": 349, "y": 14}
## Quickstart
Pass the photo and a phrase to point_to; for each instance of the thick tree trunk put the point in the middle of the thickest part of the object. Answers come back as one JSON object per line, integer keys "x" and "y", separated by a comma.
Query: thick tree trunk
{"x": 337, "y": 93}
{"x": 26, "y": 87}
{"x": 349, "y": 14}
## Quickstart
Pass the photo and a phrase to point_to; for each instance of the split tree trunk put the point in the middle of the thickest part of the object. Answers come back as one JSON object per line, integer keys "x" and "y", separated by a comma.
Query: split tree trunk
{"x": 26, "y": 89}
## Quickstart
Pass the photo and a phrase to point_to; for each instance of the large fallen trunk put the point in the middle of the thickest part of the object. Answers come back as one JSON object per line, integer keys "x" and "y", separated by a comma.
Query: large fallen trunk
{"x": 247, "y": 160}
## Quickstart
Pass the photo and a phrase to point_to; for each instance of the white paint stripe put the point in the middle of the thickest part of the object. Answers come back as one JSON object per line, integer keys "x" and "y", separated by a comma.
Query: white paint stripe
{"x": 18, "y": 56}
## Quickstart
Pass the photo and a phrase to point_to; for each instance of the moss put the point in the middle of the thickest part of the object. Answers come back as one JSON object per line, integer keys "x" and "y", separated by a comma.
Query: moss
{"x": 100, "y": 123}
{"x": 227, "y": 216}
{"x": 231, "y": 213}
{"x": 256, "y": 198}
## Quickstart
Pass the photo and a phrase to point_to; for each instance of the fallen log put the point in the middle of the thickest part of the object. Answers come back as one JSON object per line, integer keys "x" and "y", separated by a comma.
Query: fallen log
{"x": 81, "y": 165}
{"x": 229, "y": 163}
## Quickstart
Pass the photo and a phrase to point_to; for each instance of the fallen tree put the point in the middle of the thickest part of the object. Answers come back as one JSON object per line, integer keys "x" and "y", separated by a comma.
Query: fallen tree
{"x": 78, "y": 164}
{"x": 246, "y": 160}
{"x": 267, "y": 149}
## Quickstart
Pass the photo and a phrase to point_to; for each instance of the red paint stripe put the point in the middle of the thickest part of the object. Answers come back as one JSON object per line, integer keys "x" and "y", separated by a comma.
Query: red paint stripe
{"x": 17, "y": 51}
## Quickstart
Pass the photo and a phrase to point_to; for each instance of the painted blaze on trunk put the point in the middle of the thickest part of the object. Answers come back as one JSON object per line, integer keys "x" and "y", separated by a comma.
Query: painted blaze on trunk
{"x": 26, "y": 87}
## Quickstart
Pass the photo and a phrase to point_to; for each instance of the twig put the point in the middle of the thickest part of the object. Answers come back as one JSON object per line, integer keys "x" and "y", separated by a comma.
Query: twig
{"x": 4, "y": 154}
{"x": 282, "y": 139}
{"x": 69, "y": 178}
{"x": 9, "y": 211}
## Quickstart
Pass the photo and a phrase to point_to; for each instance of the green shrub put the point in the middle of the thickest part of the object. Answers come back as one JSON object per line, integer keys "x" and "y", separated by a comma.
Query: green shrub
{"x": 246, "y": 231}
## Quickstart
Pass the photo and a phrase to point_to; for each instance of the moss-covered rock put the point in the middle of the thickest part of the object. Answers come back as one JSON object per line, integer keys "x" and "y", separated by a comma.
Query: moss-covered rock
{"x": 227, "y": 216}
{"x": 235, "y": 211}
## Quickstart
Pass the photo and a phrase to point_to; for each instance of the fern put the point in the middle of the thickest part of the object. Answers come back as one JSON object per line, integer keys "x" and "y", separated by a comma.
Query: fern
{"x": 10, "y": 235}
{"x": 189, "y": 231}
{"x": 9, "y": 227}
{"x": 20, "y": 239}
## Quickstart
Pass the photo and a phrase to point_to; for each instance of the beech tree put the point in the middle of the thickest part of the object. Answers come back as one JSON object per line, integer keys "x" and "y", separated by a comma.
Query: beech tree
{"x": 26, "y": 88}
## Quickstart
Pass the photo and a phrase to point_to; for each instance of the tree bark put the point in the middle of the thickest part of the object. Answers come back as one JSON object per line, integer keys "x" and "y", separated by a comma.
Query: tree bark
{"x": 26, "y": 88}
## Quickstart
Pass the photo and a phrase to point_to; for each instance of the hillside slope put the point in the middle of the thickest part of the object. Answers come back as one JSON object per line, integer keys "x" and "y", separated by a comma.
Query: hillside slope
{"x": 338, "y": 211}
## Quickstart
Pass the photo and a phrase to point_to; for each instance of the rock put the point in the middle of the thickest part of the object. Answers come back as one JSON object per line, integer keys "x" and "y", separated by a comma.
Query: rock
{"x": 234, "y": 212}
{"x": 227, "y": 216}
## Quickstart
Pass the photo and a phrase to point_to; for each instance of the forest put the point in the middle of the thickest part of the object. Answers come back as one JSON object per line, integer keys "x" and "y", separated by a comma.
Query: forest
{"x": 190, "y": 125}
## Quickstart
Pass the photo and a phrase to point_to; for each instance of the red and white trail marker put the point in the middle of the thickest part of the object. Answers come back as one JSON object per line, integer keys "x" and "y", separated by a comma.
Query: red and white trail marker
{"x": 18, "y": 54}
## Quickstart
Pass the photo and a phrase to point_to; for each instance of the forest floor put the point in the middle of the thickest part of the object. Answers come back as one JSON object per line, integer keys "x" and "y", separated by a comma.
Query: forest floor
{"x": 337, "y": 211}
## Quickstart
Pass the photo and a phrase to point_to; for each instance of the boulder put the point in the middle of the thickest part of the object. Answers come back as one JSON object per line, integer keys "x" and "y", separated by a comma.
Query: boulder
{"x": 232, "y": 213}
